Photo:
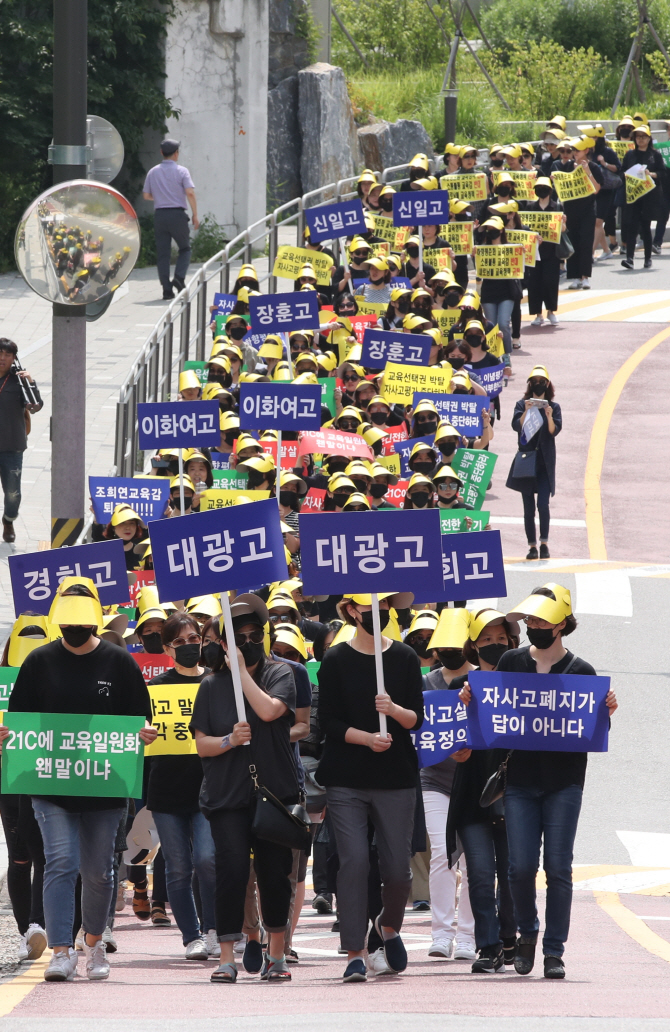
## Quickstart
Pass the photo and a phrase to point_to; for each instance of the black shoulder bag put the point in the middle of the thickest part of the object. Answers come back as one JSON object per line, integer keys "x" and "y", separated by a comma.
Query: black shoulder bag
{"x": 273, "y": 821}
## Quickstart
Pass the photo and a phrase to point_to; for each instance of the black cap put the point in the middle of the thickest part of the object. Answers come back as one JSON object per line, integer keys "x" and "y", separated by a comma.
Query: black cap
{"x": 169, "y": 146}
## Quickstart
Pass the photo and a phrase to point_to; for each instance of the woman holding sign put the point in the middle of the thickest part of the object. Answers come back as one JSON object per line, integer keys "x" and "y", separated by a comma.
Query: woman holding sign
{"x": 581, "y": 211}
{"x": 639, "y": 214}
{"x": 544, "y": 277}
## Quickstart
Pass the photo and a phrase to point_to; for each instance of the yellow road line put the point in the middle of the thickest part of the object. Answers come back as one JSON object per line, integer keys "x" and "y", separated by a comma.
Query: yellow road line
{"x": 16, "y": 990}
{"x": 595, "y": 529}
{"x": 633, "y": 925}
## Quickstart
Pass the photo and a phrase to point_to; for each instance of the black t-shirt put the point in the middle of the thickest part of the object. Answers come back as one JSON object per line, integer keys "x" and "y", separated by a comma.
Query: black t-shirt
{"x": 347, "y": 690}
{"x": 227, "y": 784}
{"x": 174, "y": 781}
{"x": 12, "y": 421}
{"x": 548, "y": 771}
{"x": 105, "y": 681}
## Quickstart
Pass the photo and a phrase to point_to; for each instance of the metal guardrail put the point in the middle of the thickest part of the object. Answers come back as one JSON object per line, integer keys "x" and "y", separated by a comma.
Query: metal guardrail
{"x": 181, "y": 332}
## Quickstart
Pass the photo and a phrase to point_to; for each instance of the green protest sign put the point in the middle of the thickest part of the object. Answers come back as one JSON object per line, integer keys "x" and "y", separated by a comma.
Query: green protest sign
{"x": 8, "y": 675}
{"x": 475, "y": 466}
{"x": 77, "y": 754}
{"x": 452, "y": 521}
{"x": 230, "y": 479}
{"x": 199, "y": 368}
{"x": 663, "y": 147}
{"x": 312, "y": 668}
{"x": 328, "y": 384}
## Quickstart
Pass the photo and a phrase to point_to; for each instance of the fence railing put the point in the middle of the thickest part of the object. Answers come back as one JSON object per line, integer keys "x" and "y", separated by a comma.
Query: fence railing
{"x": 182, "y": 331}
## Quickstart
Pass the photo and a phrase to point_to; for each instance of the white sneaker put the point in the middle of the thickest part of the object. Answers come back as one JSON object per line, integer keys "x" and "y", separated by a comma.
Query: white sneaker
{"x": 212, "y": 943}
{"x": 575, "y": 285}
{"x": 120, "y": 897}
{"x": 36, "y": 941}
{"x": 537, "y": 321}
{"x": 605, "y": 255}
{"x": 465, "y": 951}
{"x": 109, "y": 940}
{"x": 197, "y": 950}
{"x": 97, "y": 965}
{"x": 586, "y": 284}
{"x": 442, "y": 948}
{"x": 23, "y": 950}
{"x": 553, "y": 318}
{"x": 376, "y": 963}
{"x": 62, "y": 967}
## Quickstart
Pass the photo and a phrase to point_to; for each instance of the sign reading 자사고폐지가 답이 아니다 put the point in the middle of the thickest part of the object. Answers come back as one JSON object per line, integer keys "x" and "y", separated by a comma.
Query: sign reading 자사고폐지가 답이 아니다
{"x": 444, "y": 730}
{"x": 543, "y": 712}
{"x": 178, "y": 424}
{"x": 147, "y": 496}
{"x": 35, "y": 576}
{"x": 280, "y": 406}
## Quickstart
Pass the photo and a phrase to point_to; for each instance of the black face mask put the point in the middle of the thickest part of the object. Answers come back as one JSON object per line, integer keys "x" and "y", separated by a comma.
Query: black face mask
{"x": 378, "y": 490}
{"x": 492, "y": 653}
{"x": 386, "y": 203}
{"x": 452, "y": 659}
{"x": 76, "y": 636}
{"x": 456, "y": 363}
{"x": 422, "y": 467}
{"x": 497, "y": 162}
{"x": 420, "y": 499}
{"x": 289, "y": 498}
{"x": 340, "y": 499}
{"x": 538, "y": 389}
{"x": 230, "y": 438}
{"x": 216, "y": 378}
{"x": 366, "y": 620}
{"x": 187, "y": 655}
{"x": 474, "y": 340}
{"x": 421, "y": 648}
{"x": 255, "y": 480}
{"x": 252, "y": 653}
{"x": 452, "y": 297}
{"x": 504, "y": 191}
{"x": 427, "y": 428}
{"x": 413, "y": 252}
{"x": 460, "y": 390}
{"x": 542, "y": 192}
{"x": 378, "y": 418}
{"x": 152, "y": 642}
{"x": 361, "y": 486}
{"x": 237, "y": 332}
{"x": 447, "y": 447}
{"x": 491, "y": 237}
{"x": 210, "y": 653}
{"x": 403, "y": 306}
{"x": 540, "y": 637}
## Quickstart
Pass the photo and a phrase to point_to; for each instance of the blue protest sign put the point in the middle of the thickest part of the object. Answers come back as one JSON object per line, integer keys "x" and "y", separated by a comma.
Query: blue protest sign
{"x": 224, "y": 304}
{"x": 335, "y": 220}
{"x": 237, "y": 547}
{"x": 178, "y": 424}
{"x": 421, "y": 208}
{"x": 382, "y": 346}
{"x": 148, "y": 497}
{"x": 280, "y": 313}
{"x": 401, "y": 281}
{"x": 543, "y": 712}
{"x": 472, "y": 566}
{"x": 380, "y": 551}
{"x": 463, "y": 411}
{"x": 255, "y": 339}
{"x": 404, "y": 450}
{"x": 280, "y": 406}
{"x": 492, "y": 378}
{"x": 444, "y": 730}
{"x": 35, "y": 576}
{"x": 358, "y": 282}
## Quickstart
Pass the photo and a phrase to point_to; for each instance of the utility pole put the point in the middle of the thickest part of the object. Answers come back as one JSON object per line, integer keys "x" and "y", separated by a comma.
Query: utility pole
{"x": 69, "y": 156}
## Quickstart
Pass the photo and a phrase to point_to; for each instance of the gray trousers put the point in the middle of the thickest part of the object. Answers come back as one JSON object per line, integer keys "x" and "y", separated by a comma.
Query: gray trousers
{"x": 171, "y": 224}
{"x": 391, "y": 811}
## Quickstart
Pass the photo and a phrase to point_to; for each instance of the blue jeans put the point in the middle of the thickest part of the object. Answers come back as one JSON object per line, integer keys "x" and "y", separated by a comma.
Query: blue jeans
{"x": 501, "y": 313}
{"x": 486, "y": 855}
{"x": 75, "y": 842}
{"x": 543, "y": 493}
{"x": 187, "y": 844}
{"x": 531, "y": 814}
{"x": 11, "y": 466}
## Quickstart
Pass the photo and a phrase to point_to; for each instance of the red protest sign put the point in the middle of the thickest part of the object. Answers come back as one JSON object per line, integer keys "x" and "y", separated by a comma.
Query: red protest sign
{"x": 289, "y": 452}
{"x": 142, "y": 577}
{"x": 360, "y": 323}
{"x": 313, "y": 500}
{"x": 152, "y": 665}
{"x": 396, "y": 495}
{"x": 333, "y": 442}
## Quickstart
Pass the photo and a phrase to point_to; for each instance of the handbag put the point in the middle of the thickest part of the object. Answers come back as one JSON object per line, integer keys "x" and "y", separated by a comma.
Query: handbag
{"x": 273, "y": 821}
{"x": 611, "y": 181}
{"x": 494, "y": 789}
{"x": 564, "y": 248}
{"x": 314, "y": 792}
{"x": 524, "y": 465}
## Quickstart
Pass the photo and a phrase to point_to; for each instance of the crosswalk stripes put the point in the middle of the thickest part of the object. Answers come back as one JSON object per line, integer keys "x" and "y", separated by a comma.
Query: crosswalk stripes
{"x": 651, "y": 306}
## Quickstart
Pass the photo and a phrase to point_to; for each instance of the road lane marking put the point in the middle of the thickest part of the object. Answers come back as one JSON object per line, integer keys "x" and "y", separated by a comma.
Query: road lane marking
{"x": 607, "y": 593}
{"x": 595, "y": 528}
{"x": 18, "y": 987}
{"x": 633, "y": 925}
{"x": 647, "y": 848}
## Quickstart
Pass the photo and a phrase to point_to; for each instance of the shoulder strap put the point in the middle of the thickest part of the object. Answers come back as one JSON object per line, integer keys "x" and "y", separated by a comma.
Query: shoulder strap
{"x": 570, "y": 665}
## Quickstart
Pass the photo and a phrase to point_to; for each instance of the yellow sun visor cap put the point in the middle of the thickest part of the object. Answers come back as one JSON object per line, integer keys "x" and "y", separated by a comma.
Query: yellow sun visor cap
{"x": 446, "y": 430}
{"x": 188, "y": 379}
{"x": 285, "y": 477}
{"x": 644, "y": 129}
{"x": 474, "y": 324}
{"x": 505, "y": 208}
{"x": 420, "y": 161}
{"x": 539, "y": 370}
{"x": 271, "y": 349}
{"x": 596, "y": 131}
{"x": 359, "y": 244}
{"x": 554, "y": 612}
{"x": 367, "y": 177}
{"x": 355, "y": 499}
{"x": 156, "y": 613}
{"x": 185, "y": 480}
{"x": 543, "y": 181}
{"x": 557, "y": 122}
{"x": 457, "y": 207}
{"x": 485, "y": 617}
{"x": 552, "y": 136}
{"x": 452, "y": 148}
{"x": 425, "y": 620}
{"x": 398, "y": 292}
{"x": 398, "y": 599}
{"x": 28, "y": 634}
{"x": 582, "y": 143}
{"x": 229, "y": 421}
{"x": 261, "y": 463}
{"x": 493, "y": 223}
{"x": 204, "y": 605}
{"x": 452, "y": 629}
{"x": 512, "y": 150}
{"x": 470, "y": 299}
{"x": 76, "y": 609}
{"x": 286, "y": 636}
{"x": 378, "y": 263}
{"x": 447, "y": 473}
{"x": 428, "y": 183}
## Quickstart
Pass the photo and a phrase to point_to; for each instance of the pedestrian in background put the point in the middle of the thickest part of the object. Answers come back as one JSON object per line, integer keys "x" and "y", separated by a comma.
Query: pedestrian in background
{"x": 169, "y": 186}
{"x": 14, "y": 429}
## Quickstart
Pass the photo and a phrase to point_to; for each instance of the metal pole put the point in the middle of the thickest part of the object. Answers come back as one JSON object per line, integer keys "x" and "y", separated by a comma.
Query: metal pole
{"x": 68, "y": 418}
{"x": 181, "y": 481}
{"x": 349, "y": 37}
{"x": 379, "y": 662}
{"x": 277, "y": 481}
{"x": 233, "y": 659}
{"x": 450, "y": 93}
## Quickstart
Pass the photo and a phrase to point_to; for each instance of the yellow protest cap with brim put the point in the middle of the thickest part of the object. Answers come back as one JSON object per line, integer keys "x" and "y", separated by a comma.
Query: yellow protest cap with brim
{"x": 596, "y": 131}
{"x": 503, "y": 177}
{"x": 188, "y": 379}
{"x": 245, "y": 440}
{"x": 484, "y": 618}
{"x": 446, "y": 473}
{"x": 626, "y": 120}
{"x": 394, "y": 262}
{"x": 460, "y": 378}
{"x": 512, "y": 150}
{"x": 338, "y": 481}
{"x": 467, "y": 149}
{"x": 644, "y": 129}
{"x": 377, "y": 470}
{"x": 236, "y": 350}
{"x": 397, "y": 599}
{"x": 345, "y": 633}
{"x": 452, "y": 629}
{"x": 271, "y": 349}
{"x": 420, "y": 160}
{"x": 427, "y": 183}
{"x": 28, "y": 633}
{"x": 435, "y": 333}
{"x": 582, "y": 143}
{"x": 398, "y": 292}
{"x": 371, "y": 434}
{"x": 544, "y": 608}
{"x": 452, "y": 148}
{"x": 147, "y": 597}
{"x": 425, "y": 620}
{"x": 204, "y": 605}
{"x": 282, "y": 372}
{"x": 286, "y": 477}
{"x": 474, "y": 324}
{"x": 420, "y": 292}
{"x": 261, "y": 463}
{"x": 495, "y": 222}
{"x": 539, "y": 370}
{"x": 291, "y": 637}
{"x": 556, "y": 135}
{"x": 244, "y": 293}
{"x": 282, "y": 600}
{"x": 378, "y": 263}
{"x": 425, "y": 405}
{"x": 470, "y": 299}
{"x": 229, "y": 421}
{"x": 307, "y": 334}
{"x": 211, "y": 392}
{"x": 311, "y": 359}
{"x": 558, "y": 122}
{"x": 446, "y": 430}
{"x": 527, "y": 147}
{"x": 247, "y": 272}
{"x": 326, "y": 362}
{"x": 354, "y": 354}
{"x": 447, "y": 277}
{"x": 155, "y": 613}
{"x": 356, "y": 499}
{"x": 367, "y": 177}
{"x": 457, "y": 207}
{"x": 358, "y": 243}
{"x": 640, "y": 119}
{"x": 418, "y": 479}
{"x": 76, "y": 610}
{"x": 422, "y": 446}
{"x": 185, "y": 480}
{"x": 219, "y": 361}
{"x": 505, "y": 208}
{"x": 350, "y": 413}
{"x": 387, "y": 191}
{"x": 124, "y": 513}
{"x": 413, "y": 322}
{"x": 543, "y": 181}
{"x": 305, "y": 271}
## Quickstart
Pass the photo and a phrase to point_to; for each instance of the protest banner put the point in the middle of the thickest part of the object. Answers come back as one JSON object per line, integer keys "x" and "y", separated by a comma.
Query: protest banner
{"x": 178, "y": 424}
{"x": 529, "y": 242}
{"x": 289, "y": 452}
{"x": 621, "y": 147}
{"x": 152, "y": 665}
{"x": 147, "y": 499}
{"x": 459, "y": 237}
{"x": 663, "y": 148}
{"x": 524, "y": 182}
{"x": 76, "y": 754}
{"x": 220, "y": 498}
{"x": 370, "y": 308}
{"x": 224, "y": 303}
{"x": 313, "y": 500}
{"x": 282, "y": 313}
{"x": 396, "y": 235}
{"x": 638, "y": 183}
{"x": 401, "y": 382}
{"x": 141, "y": 579}
{"x": 230, "y": 479}
{"x": 332, "y": 221}
{"x": 499, "y": 261}
{"x": 35, "y": 576}
{"x": 171, "y": 712}
{"x": 444, "y": 730}
{"x": 280, "y": 406}
{"x": 475, "y": 466}
{"x": 494, "y": 339}
{"x": 359, "y": 324}
{"x": 381, "y": 249}
{"x": 334, "y": 442}
{"x": 570, "y": 186}
{"x": 445, "y": 319}
{"x": 543, "y": 712}
{"x": 466, "y": 186}
{"x": 290, "y": 260}
{"x": 327, "y": 385}
{"x": 492, "y": 379}
{"x": 391, "y": 461}
{"x": 421, "y": 208}
{"x": 312, "y": 667}
{"x": 549, "y": 224}
{"x": 396, "y": 492}
{"x": 439, "y": 258}
{"x": 382, "y": 346}
{"x": 453, "y": 521}
{"x": 464, "y": 412}
{"x": 8, "y": 676}
{"x": 404, "y": 449}
{"x": 472, "y": 567}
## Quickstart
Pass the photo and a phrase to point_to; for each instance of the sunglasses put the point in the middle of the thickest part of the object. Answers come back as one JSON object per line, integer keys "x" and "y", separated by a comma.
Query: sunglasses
{"x": 193, "y": 639}
{"x": 346, "y": 306}
{"x": 255, "y": 637}
{"x": 347, "y": 424}
{"x": 360, "y": 255}
{"x": 350, "y": 379}
{"x": 425, "y": 419}
{"x": 448, "y": 485}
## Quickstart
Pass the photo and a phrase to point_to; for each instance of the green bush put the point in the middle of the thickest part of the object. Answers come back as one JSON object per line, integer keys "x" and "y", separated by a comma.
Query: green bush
{"x": 209, "y": 240}
{"x": 401, "y": 32}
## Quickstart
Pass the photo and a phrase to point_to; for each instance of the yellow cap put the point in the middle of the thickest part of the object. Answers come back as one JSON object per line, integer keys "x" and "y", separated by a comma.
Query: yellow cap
{"x": 422, "y": 446}
{"x": 446, "y": 430}
{"x": 474, "y": 324}
{"x": 445, "y": 276}
{"x": 185, "y": 480}
{"x": 539, "y": 370}
{"x": 425, "y": 620}
{"x": 345, "y": 633}
{"x": 460, "y": 378}
{"x": 306, "y": 377}
{"x": 505, "y": 208}
{"x": 282, "y": 372}
{"x": 289, "y": 634}
{"x": 554, "y": 612}
{"x": 446, "y": 472}
{"x": 644, "y": 129}
{"x": 76, "y": 609}
{"x": 582, "y": 143}
{"x": 425, "y": 405}
{"x": 452, "y": 148}
{"x": 229, "y": 421}
{"x": 558, "y": 121}
{"x": 420, "y": 161}
{"x": 211, "y": 392}
{"x": 245, "y": 441}
{"x": 557, "y": 135}
{"x": 286, "y": 477}
{"x": 414, "y": 322}
{"x": 482, "y": 619}
{"x": 153, "y": 613}
{"x": 452, "y": 629}
{"x": 367, "y": 176}
{"x": 394, "y": 262}
{"x": 435, "y": 333}
{"x": 188, "y": 379}
{"x": 467, "y": 149}
{"x": 271, "y": 348}
{"x": 527, "y": 147}
{"x": 244, "y": 293}
{"x": 307, "y": 270}
{"x": 247, "y": 272}
{"x": 495, "y": 222}
{"x": 470, "y": 299}
{"x": 261, "y": 463}
{"x": 326, "y": 362}
{"x": 640, "y": 119}
{"x": 205, "y": 605}
{"x": 350, "y": 413}
{"x": 237, "y": 351}
{"x": 122, "y": 513}
{"x": 418, "y": 478}
{"x": 457, "y": 207}
{"x": 356, "y": 499}
{"x": 378, "y": 263}
{"x": 356, "y": 468}
{"x": 358, "y": 243}
{"x": 512, "y": 150}
{"x": 338, "y": 481}
{"x": 397, "y": 599}
{"x": 596, "y": 131}
{"x": 428, "y": 183}
{"x": 371, "y": 434}
{"x": 542, "y": 181}
{"x": 20, "y": 643}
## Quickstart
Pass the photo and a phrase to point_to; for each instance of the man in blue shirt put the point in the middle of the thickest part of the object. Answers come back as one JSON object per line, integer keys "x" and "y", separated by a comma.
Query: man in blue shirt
{"x": 169, "y": 186}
